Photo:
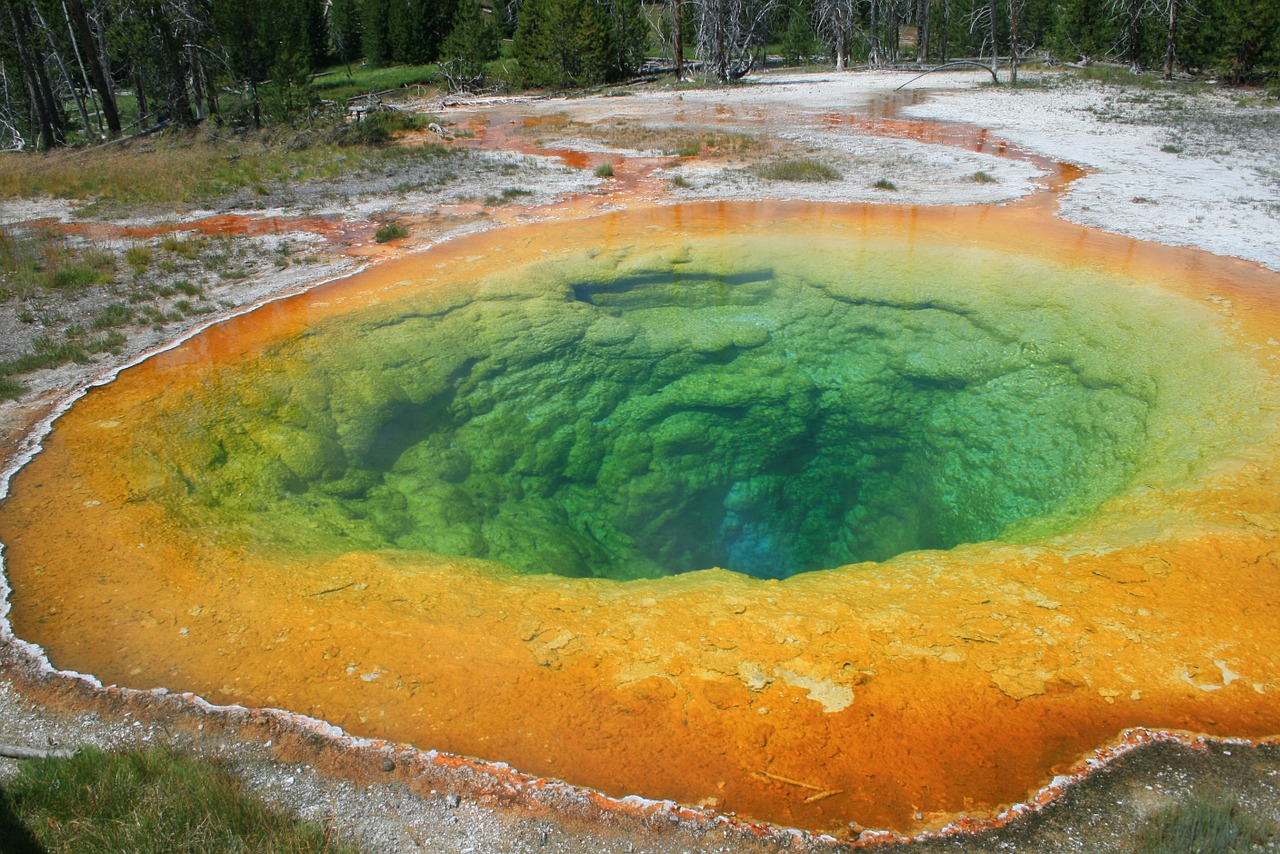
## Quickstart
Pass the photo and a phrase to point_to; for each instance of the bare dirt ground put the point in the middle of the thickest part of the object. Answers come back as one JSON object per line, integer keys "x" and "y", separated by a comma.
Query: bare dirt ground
{"x": 1176, "y": 166}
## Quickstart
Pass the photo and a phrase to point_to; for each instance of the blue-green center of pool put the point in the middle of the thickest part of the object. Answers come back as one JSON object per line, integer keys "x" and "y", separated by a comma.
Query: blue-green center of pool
{"x": 766, "y": 409}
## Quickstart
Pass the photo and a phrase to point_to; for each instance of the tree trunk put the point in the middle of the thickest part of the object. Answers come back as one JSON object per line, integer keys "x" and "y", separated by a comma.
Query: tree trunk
{"x": 1172, "y": 42}
{"x": 922, "y": 30}
{"x": 995, "y": 43}
{"x": 97, "y": 75}
{"x": 874, "y": 59}
{"x": 180, "y": 101}
{"x": 44, "y": 106}
{"x": 1013, "y": 41}
{"x": 1133, "y": 36}
{"x": 62, "y": 66}
{"x": 140, "y": 92}
{"x": 677, "y": 18}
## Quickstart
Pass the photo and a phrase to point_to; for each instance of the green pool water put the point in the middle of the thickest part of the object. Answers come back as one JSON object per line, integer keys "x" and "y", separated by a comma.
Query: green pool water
{"x": 758, "y": 405}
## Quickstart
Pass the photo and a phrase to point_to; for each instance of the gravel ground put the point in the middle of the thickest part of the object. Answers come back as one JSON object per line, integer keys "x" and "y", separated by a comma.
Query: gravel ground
{"x": 1218, "y": 191}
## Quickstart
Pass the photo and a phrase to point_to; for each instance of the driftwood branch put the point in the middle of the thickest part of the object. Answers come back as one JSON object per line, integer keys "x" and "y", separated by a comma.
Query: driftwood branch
{"x": 12, "y": 751}
{"x": 967, "y": 63}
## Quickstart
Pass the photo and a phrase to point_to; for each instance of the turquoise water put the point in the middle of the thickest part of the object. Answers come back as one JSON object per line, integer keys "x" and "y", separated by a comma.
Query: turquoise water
{"x": 766, "y": 408}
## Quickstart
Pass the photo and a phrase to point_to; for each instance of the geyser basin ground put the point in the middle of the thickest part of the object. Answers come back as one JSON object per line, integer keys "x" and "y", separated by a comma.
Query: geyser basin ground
{"x": 406, "y": 503}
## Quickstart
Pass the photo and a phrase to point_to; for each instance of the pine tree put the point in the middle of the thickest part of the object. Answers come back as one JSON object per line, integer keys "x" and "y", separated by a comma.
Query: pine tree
{"x": 471, "y": 43}
{"x": 376, "y": 26}
{"x": 564, "y": 43}
{"x": 799, "y": 42}
{"x": 346, "y": 29}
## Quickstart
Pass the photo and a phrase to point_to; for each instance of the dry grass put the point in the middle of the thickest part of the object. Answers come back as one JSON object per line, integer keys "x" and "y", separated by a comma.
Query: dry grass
{"x": 798, "y": 169}
{"x": 186, "y": 170}
{"x": 671, "y": 141}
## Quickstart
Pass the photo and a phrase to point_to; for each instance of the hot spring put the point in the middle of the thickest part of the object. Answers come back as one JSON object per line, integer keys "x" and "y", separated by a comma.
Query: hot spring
{"x": 810, "y": 513}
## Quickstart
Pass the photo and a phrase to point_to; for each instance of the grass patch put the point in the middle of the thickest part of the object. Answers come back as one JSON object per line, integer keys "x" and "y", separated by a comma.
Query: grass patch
{"x": 885, "y": 184}
{"x": 800, "y": 169}
{"x": 11, "y": 389}
{"x": 33, "y": 263}
{"x": 138, "y": 257}
{"x": 1117, "y": 75}
{"x": 1202, "y": 825}
{"x": 604, "y": 170}
{"x": 680, "y": 182}
{"x": 116, "y": 314}
{"x": 681, "y": 142}
{"x": 390, "y": 231}
{"x": 180, "y": 168}
{"x": 506, "y": 195}
{"x": 148, "y": 801}
{"x": 338, "y": 85}
{"x": 981, "y": 177}
{"x": 1171, "y": 148}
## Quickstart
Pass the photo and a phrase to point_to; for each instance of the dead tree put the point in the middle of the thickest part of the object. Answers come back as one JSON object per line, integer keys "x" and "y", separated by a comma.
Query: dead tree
{"x": 835, "y": 20}
{"x": 728, "y": 32}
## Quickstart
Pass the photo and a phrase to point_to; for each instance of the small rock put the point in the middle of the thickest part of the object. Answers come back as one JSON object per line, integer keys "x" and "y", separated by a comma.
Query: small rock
{"x": 387, "y": 764}
{"x": 453, "y": 800}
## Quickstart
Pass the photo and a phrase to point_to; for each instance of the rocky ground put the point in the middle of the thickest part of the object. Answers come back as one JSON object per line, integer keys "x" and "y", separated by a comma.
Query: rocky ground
{"x": 1177, "y": 165}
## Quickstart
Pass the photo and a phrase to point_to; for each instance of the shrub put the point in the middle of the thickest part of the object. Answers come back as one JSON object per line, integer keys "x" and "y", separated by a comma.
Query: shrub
{"x": 604, "y": 170}
{"x": 801, "y": 169}
{"x": 981, "y": 177}
{"x": 389, "y": 232}
{"x": 885, "y": 184}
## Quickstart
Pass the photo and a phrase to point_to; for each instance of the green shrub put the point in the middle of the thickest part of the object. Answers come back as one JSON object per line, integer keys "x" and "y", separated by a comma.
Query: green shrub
{"x": 389, "y": 232}
{"x": 116, "y": 314}
{"x": 800, "y": 169}
{"x": 981, "y": 177}
{"x": 604, "y": 170}
{"x": 885, "y": 184}
{"x": 148, "y": 801}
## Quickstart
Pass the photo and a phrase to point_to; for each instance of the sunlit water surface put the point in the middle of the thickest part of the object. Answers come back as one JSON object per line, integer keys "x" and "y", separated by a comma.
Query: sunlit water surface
{"x": 599, "y": 499}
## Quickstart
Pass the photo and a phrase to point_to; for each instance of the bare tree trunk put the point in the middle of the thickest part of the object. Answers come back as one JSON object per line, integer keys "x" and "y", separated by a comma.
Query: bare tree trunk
{"x": 995, "y": 43}
{"x": 923, "y": 11}
{"x": 1013, "y": 41}
{"x": 946, "y": 30}
{"x": 77, "y": 17}
{"x": 46, "y": 113}
{"x": 840, "y": 49}
{"x": 874, "y": 59}
{"x": 1171, "y": 44}
{"x": 62, "y": 66}
{"x": 677, "y": 18}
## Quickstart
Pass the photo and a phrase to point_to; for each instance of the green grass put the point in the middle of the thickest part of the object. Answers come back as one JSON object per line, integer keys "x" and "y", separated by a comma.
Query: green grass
{"x": 981, "y": 177}
{"x": 1171, "y": 148}
{"x": 116, "y": 314}
{"x": 604, "y": 170}
{"x": 389, "y": 232}
{"x": 34, "y": 263}
{"x": 1209, "y": 826}
{"x": 507, "y": 195}
{"x": 338, "y": 85}
{"x": 799, "y": 169}
{"x": 680, "y": 182}
{"x": 885, "y": 184}
{"x": 149, "y": 801}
